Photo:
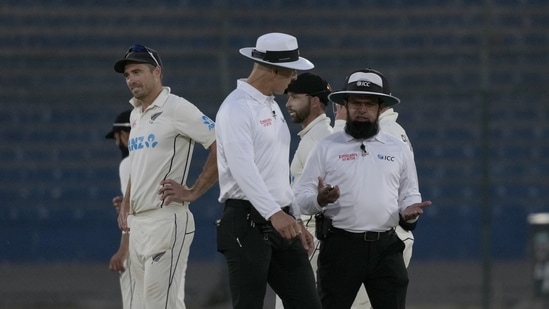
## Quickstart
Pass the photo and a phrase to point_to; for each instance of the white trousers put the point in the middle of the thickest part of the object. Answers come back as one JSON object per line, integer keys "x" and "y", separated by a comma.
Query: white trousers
{"x": 126, "y": 286}
{"x": 160, "y": 241}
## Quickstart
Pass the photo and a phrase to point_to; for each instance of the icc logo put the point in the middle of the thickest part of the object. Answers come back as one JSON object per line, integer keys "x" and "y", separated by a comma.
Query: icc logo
{"x": 363, "y": 83}
{"x": 387, "y": 158}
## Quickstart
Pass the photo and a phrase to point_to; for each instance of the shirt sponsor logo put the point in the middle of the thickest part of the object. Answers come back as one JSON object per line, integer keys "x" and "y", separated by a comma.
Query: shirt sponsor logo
{"x": 348, "y": 156}
{"x": 266, "y": 122}
{"x": 142, "y": 142}
{"x": 386, "y": 158}
{"x": 208, "y": 122}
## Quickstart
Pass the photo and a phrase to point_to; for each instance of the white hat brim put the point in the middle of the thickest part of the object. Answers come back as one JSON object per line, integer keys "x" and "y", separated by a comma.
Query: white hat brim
{"x": 301, "y": 64}
{"x": 339, "y": 97}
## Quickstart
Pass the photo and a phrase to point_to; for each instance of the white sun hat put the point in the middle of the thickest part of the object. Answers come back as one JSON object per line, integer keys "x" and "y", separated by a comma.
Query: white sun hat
{"x": 277, "y": 49}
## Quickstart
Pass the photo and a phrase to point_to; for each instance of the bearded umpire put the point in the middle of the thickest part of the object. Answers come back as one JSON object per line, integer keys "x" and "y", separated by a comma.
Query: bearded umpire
{"x": 362, "y": 180}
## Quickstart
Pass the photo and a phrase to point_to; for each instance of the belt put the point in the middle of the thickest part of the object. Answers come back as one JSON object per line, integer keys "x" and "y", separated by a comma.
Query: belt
{"x": 253, "y": 214}
{"x": 366, "y": 236}
{"x": 236, "y": 203}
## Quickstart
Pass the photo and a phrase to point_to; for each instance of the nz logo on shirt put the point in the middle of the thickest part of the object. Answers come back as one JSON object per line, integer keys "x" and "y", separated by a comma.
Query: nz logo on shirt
{"x": 208, "y": 122}
{"x": 142, "y": 142}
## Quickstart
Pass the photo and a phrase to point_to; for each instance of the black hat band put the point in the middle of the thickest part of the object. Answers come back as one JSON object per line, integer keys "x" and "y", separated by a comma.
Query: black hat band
{"x": 277, "y": 56}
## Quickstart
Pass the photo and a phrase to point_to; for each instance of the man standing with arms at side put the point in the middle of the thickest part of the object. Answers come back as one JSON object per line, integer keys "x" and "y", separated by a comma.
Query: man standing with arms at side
{"x": 258, "y": 234}
{"x": 362, "y": 180}
{"x": 164, "y": 130}
{"x": 306, "y": 104}
{"x": 119, "y": 261}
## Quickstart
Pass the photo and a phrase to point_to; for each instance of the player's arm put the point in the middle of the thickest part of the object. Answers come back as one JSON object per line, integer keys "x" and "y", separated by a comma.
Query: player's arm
{"x": 117, "y": 260}
{"x": 171, "y": 191}
{"x": 209, "y": 174}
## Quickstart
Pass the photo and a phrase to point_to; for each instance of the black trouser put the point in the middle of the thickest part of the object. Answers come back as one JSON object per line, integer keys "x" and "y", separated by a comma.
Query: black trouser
{"x": 347, "y": 260}
{"x": 256, "y": 255}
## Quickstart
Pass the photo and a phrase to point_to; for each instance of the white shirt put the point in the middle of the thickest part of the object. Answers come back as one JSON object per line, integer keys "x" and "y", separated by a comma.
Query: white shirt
{"x": 373, "y": 188}
{"x": 310, "y": 135}
{"x": 253, "y": 150}
{"x": 124, "y": 174}
{"x": 161, "y": 145}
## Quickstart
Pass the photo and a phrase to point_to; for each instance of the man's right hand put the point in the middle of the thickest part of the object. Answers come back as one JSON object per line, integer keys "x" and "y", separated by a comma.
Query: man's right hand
{"x": 285, "y": 224}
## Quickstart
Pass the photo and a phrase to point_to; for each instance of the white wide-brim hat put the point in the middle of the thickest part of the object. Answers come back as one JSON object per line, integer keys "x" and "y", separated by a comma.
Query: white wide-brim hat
{"x": 369, "y": 82}
{"x": 277, "y": 49}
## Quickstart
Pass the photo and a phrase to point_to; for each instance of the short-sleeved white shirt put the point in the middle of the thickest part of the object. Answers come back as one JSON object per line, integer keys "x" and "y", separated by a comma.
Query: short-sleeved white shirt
{"x": 161, "y": 145}
{"x": 253, "y": 151}
{"x": 374, "y": 188}
{"x": 124, "y": 174}
{"x": 310, "y": 135}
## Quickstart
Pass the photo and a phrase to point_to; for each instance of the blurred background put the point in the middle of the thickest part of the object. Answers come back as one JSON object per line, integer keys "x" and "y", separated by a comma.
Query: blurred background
{"x": 472, "y": 76}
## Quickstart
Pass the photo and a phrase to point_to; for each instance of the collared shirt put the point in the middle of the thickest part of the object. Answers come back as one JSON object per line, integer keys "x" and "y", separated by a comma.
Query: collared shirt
{"x": 310, "y": 135}
{"x": 161, "y": 145}
{"x": 253, "y": 150}
{"x": 374, "y": 185}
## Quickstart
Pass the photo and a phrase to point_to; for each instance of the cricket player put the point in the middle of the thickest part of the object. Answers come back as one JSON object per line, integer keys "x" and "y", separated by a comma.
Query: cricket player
{"x": 164, "y": 129}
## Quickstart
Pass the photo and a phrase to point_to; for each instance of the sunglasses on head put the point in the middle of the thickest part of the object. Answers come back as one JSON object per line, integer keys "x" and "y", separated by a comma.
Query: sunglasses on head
{"x": 138, "y": 48}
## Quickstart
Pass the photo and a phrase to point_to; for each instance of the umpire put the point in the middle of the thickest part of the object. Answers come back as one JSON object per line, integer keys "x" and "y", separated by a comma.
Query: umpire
{"x": 362, "y": 180}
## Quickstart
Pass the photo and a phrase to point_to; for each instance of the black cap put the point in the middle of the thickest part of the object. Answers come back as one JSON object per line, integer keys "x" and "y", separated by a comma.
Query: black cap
{"x": 121, "y": 123}
{"x": 138, "y": 53}
{"x": 312, "y": 85}
{"x": 366, "y": 81}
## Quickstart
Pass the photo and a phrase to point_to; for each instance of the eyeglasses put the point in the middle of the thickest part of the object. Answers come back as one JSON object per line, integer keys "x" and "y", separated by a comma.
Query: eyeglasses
{"x": 138, "y": 48}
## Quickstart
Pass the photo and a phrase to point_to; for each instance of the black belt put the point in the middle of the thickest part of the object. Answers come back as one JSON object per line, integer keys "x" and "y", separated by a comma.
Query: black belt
{"x": 246, "y": 205}
{"x": 366, "y": 236}
{"x": 235, "y": 203}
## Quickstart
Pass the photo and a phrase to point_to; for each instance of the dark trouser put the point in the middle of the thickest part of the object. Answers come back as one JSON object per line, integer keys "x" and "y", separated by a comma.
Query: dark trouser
{"x": 346, "y": 261}
{"x": 257, "y": 255}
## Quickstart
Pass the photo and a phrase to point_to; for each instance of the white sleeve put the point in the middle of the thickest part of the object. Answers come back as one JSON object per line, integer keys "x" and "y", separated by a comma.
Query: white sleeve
{"x": 239, "y": 152}
{"x": 124, "y": 174}
{"x": 409, "y": 186}
{"x": 306, "y": 188}
{"x": 191, "y": 122}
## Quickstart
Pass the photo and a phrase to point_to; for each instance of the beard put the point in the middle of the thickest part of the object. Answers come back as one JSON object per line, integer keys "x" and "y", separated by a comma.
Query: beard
{"x": 301, "y": 114}
{"x": 361, "y": 129}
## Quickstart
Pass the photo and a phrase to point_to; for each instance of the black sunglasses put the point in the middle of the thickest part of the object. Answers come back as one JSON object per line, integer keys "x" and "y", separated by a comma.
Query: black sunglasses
{"x": 138, "y": 48}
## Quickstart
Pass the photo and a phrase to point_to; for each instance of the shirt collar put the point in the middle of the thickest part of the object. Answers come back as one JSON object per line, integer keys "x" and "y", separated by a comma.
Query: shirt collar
{"x": 243, "y": 85}
{"x": 320, "y": 118}
{"x": 159, "y": 101}
{"x": 389, "y": 115}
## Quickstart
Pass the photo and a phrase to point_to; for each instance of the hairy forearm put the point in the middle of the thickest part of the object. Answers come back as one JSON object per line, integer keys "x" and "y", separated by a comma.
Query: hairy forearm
{"x": 209, "y": 174}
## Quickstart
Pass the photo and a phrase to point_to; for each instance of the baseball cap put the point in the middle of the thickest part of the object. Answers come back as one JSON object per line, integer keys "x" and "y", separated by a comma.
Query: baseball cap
{"x": 366, "y": 81}
{"x": 138, "y": 53}
{"x": 312, "y": 85}
{"x": 121, "y": 123}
